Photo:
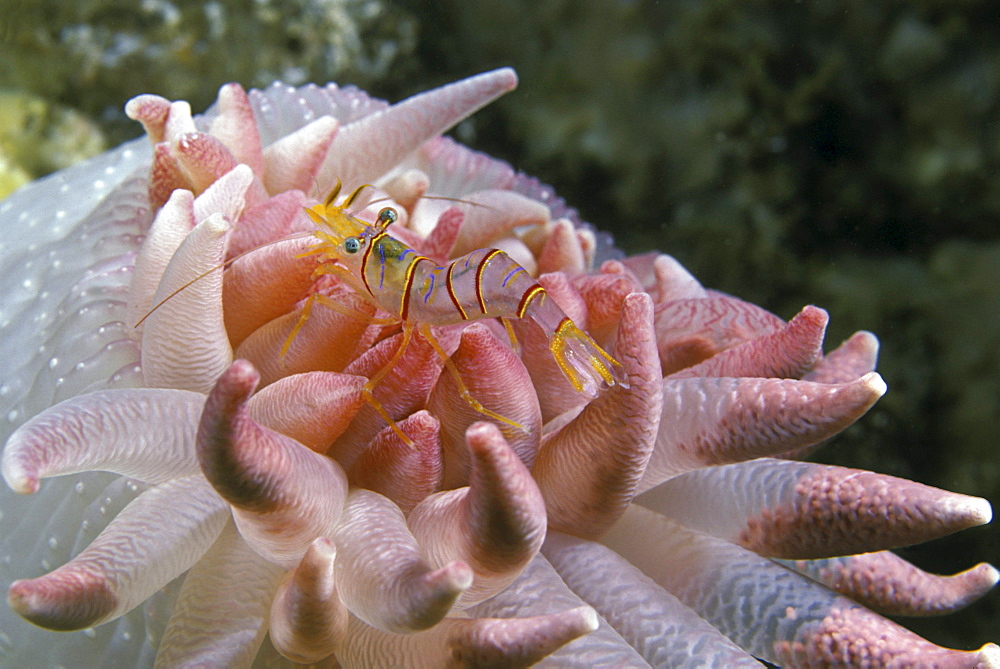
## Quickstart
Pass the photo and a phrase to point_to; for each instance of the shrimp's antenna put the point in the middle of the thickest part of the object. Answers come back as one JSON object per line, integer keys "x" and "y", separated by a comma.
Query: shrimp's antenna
{"x": 357, "y": 191}
{"x": 441, "y": 197}
{"x": 222, "y": 265}
{"x": 385, "y": 219}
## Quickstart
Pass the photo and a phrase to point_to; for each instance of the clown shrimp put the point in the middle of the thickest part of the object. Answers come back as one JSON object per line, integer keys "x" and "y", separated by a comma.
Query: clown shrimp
{"x": 421, "y": 293}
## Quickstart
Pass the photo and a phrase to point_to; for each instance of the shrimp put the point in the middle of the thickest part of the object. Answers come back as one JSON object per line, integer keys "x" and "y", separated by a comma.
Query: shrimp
{"x": 421, "y": 293}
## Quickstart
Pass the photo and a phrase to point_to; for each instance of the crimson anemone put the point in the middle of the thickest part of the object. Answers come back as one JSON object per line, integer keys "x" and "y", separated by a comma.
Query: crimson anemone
{"x": 258, "y": 508}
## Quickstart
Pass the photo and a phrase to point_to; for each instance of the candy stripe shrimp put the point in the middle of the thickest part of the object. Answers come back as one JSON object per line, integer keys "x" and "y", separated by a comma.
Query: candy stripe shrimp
{"x": 421, "y": 293}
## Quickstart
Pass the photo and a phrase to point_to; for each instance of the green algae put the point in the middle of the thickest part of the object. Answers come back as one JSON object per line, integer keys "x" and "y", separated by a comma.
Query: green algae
{"x": 38, "y": 137}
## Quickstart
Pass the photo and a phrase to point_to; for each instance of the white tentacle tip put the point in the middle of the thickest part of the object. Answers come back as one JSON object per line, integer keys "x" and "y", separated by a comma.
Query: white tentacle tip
{"x": 989, "y": 656}
{"x": 452, "y": 579}
{"x": 990, "y": 575}
{"x": 875, "y": 383}
{"x": 587, "y": 620}
{"x": 506, "y": 77}
{"x": 976, "y": 510}
{"x": 63, "y": 602}
{"x": 19, "y": 478}
{"x": 985, "y": 512}
{"x": 308, "y": 621}
{"x": 431, "y": 596}
{"x": 217, "y": 223}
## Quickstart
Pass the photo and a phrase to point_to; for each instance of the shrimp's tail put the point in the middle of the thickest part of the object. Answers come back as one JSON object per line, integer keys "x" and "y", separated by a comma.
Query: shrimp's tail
{"x": 585, "y": 364}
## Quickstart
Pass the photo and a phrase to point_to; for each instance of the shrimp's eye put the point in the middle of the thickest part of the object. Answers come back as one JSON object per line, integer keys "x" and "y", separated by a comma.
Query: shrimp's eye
{"x": 387, "y": 217}
{"x": 352, "y": 244}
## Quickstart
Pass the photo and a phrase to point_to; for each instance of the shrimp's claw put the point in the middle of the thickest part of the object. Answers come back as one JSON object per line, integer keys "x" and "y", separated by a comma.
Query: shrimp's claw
{"x": 582, "y": 361}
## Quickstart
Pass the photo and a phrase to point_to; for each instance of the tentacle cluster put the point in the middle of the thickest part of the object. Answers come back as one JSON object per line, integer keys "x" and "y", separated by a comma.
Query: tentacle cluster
{"x": 662, "y": 521}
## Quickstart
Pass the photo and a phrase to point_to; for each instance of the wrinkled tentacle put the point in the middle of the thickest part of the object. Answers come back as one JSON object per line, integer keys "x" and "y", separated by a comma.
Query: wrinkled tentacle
{"x": 425, "y": 331}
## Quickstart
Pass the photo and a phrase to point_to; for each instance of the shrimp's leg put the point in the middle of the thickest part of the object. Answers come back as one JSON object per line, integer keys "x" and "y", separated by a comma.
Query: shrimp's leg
{"x": 582, "y": 360}
{"x": 306, "y": 310}
{"x": 368, "y": 388}
{"x": 514, "y": 343}
{"x": 335, "y": 306}
{"x": 425, "y": 330}
{"x": 328, "y": 268}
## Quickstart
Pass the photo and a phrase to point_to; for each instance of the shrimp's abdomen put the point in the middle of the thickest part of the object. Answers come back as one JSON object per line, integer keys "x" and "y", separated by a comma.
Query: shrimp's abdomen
{"x": 486, "y": 283}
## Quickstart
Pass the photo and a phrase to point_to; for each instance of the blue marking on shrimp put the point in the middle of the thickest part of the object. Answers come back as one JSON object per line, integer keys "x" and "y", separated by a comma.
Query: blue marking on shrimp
{"x": 511, "y": 275}
{"x": 381, "y": 253}
{"x": 430, "y": 288}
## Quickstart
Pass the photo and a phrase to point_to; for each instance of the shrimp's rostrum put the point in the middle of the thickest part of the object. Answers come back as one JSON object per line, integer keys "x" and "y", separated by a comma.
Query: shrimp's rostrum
{"x": 421, "y": 293}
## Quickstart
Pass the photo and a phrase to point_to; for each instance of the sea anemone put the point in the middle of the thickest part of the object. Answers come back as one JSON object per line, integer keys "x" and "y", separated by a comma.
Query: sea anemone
{"x": 259, "y": 506}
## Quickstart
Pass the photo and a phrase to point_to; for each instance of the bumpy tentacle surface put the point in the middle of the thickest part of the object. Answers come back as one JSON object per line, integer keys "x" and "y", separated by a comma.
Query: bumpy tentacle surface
{"x": 382, "y": 574}
{"x": 803, "y": 510}
{"x": 283, "y": 495}
{"x": 887, "y": 583}
{"x": 498, "y": 379}
{"x": 586, "y": 479}
{"x": 815, "y": 627}
{"x": 714, "y": 421}
{"x": 196, "y": 350}
{"x": 786, "y": 353}
{"x": 106, "y": 430}
{"x": 312, "y": 408}
{"x": 468, "y": 642}
{"x": 495, "y": 525}
{"x": 403, "y": 127}
{"x": 405, "y": 473}
{"x": 667, "y": 634}
{"x": 154, "y": 539}
{"x": 308, "y": 621}
{"x": 196, "y": 634}
{"x": 540, "y": 591}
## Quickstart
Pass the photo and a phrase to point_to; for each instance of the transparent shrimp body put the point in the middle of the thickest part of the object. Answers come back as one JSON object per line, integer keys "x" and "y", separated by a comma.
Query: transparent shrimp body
{"x": 421, "y": 292}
